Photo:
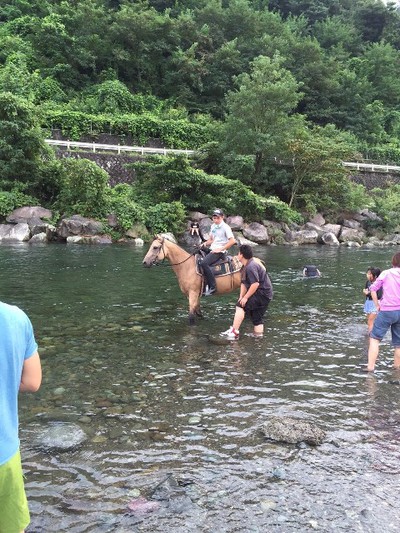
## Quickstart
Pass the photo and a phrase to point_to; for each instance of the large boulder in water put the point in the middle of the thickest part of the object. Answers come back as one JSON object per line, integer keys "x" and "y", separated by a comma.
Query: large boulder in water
{"x": 329, "y": 238}
{"x": 14, "y": 233}
{"x": 59, "y": 436}
{"x": 292, "y": 430}
{"x": 78, "y": 225}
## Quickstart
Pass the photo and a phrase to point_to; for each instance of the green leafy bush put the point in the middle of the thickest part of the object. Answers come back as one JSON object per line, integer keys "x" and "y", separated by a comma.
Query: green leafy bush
{"x": 277, "y": 210}
{"x": 174, "y": 133}
{"x": 385, "y": 154}
{"x": 165, "y": 216}
{"x": 10, "y": 200}
{"x": 121, "y": 203}
{"x": 174, "y": 179}
{"x": 84, "y": 188}
{"x": 387, "y": 207}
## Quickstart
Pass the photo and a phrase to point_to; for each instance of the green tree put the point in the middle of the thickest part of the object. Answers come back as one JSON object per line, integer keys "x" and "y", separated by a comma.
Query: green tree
{"x": 83, "y": 188}
{"x": 21, "y": 143}
{"x": 318, "y": 179}
{"x": 167, "y": 180}
{"x": 381, "y": 64}
{"x": 259, "y": 112}
{"x": 16, "y": 78}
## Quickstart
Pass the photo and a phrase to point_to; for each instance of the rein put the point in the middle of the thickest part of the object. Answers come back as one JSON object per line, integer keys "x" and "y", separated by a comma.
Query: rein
{"x": 163, "y": 263}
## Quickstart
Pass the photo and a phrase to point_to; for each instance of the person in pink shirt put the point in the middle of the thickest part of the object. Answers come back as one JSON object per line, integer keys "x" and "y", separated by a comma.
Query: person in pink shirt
{"x": 388, "y": 313}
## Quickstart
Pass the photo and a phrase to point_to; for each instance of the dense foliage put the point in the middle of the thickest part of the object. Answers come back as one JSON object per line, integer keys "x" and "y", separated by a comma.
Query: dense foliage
{"x": 276, "y": 93}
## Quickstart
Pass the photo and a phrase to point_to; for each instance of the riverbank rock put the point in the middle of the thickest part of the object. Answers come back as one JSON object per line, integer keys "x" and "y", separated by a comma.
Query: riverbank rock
{"x": 89, "y": 239}
{"x": 292, "y": 431}
{"x": 351, "y": 234}
{"x": 138, "y": 230}
{"x": 78, "y": 225}
{"x": 59, "y": 436}
{"x": 329, "y": 239}
{"x": 24, "y": 214}
{"x": 256, "y": 232}
{"x": 235, "y": 222}
{"x": 332, "y": 228}
{"x": 169, "y": 236}
{"x": 15, "y": 232}
{"x": 242, "y": 240}
{"x": 303, "y": 236}
{"x": 317, "y": 219}
{"x": 39, "y": 238}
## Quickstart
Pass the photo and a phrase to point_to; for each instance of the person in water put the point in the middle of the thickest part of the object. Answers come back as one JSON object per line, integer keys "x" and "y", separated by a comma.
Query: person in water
{"x": 20, "y": 371}
{"x": 255, "y": 294}
{"x": 311, "y": 271}
{"x": 388, "y": 313}
{"x": 220, "y": 240}
{"x": 369, "y": 306}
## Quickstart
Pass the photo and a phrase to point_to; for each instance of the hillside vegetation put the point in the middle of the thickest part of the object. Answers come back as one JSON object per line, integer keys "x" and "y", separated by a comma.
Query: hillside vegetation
{"x": 274, "y": 95}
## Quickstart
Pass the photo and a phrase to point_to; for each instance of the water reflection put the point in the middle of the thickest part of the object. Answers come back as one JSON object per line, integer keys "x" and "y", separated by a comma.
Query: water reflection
{"x": 159, "y": 400}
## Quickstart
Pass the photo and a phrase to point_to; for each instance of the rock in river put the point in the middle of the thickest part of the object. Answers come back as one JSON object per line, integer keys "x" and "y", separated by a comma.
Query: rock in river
{"x": 292, "y": 430}
{"x": 59, "y": 436}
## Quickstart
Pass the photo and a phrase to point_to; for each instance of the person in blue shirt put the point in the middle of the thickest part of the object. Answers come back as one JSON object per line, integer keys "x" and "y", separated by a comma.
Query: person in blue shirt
{"x": 20, "y": 371}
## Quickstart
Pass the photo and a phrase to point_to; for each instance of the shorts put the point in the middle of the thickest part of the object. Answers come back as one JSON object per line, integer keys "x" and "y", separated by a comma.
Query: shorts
{"x": 385, "y": 320}
{"x": 256, "y": 307}
{"x": 14, "y": 512}
{"x": 369, "y": 307}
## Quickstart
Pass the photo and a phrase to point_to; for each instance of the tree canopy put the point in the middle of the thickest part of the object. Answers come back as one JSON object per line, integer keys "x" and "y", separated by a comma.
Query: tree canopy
{"x": 263, "y": 86}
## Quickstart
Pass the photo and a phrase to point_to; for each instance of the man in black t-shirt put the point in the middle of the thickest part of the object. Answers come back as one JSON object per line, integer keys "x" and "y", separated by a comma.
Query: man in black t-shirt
{"x": 255, "y": 294}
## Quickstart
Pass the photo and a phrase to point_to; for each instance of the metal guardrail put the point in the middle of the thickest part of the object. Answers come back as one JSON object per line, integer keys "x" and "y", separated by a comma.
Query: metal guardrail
{"x": 371, "y": 167}
{"x": 119, "y": 148}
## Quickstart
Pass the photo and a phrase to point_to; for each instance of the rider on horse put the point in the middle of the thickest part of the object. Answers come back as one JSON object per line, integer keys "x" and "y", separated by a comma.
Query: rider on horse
{"x": 220, "y": 240}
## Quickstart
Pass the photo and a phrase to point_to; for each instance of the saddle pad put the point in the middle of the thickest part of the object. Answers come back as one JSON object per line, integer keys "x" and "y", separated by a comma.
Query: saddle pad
{"x": 230, "y": 265}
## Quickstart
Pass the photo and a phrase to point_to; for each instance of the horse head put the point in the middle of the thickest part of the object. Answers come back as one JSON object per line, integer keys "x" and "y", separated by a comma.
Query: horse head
{"x": 156, "y": 252}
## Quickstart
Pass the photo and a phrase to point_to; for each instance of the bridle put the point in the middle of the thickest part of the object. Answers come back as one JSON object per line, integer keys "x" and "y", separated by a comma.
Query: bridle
{"x": 163, "y": 260}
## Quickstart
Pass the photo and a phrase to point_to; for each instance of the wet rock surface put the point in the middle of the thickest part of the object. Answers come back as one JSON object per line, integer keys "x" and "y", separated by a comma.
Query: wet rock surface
{"x": 293, "y": 431}
{"x": 59, "y": 436}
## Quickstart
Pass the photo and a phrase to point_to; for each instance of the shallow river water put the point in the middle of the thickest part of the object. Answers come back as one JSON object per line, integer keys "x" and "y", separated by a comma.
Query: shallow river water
{"x": 172, "y": 414}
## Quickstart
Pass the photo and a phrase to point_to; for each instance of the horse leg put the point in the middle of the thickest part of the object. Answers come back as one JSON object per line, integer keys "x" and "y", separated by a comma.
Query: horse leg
{"x": 194, "y": 307}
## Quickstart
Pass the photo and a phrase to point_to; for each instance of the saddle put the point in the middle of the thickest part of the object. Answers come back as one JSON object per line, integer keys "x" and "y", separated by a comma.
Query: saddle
{"x": 223, "y": 267}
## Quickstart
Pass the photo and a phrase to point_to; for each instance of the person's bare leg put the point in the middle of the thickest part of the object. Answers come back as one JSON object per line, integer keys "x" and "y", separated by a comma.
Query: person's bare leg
{"x": 373, "y": 352}
{"x": 397, "y": 358}
{"x": 238, "y": 318}
{"x": 259, "y": 330}
{"x": 370, "y": 321}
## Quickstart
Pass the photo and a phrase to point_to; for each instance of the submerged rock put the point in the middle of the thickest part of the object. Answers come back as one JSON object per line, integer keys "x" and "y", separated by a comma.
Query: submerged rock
{"x": 59, "y": 436}
{"x": 141, "y": 505}
{"x": 292, "y": 430}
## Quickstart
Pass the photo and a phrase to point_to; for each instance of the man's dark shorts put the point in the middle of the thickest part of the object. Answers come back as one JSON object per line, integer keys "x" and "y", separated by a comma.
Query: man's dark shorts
{"x": 256, "y": 307}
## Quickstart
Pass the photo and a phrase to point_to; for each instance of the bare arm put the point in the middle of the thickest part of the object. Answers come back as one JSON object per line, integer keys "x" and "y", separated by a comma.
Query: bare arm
{"x": 375, "y": 299}
{"x": 247, "y": 294}
{"x": 208, "y": 241}
{"x": 31, "y": 377}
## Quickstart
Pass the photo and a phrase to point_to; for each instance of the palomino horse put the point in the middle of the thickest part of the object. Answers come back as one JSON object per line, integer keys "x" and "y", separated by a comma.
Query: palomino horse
{"x": 183, "y": 264}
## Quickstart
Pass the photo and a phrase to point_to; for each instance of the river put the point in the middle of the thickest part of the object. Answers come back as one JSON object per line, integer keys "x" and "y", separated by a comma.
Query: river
{"x": 172, "y": 414}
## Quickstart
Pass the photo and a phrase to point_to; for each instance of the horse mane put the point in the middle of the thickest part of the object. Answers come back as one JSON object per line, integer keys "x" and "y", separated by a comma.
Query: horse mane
{"x": 164, "y": 238}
